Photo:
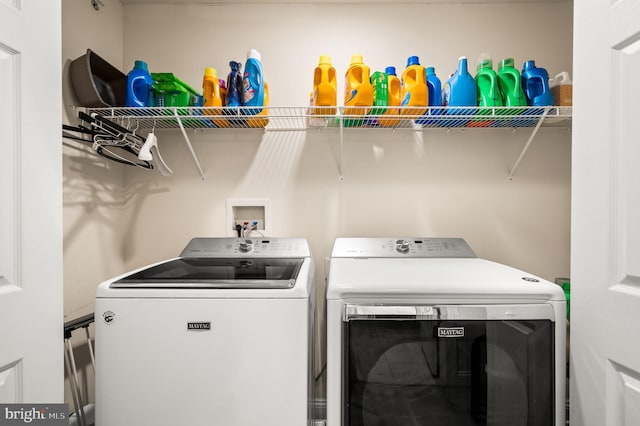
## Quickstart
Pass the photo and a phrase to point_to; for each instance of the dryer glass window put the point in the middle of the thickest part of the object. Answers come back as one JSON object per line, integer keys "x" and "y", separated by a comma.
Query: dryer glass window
{"x": 449, "y": 373}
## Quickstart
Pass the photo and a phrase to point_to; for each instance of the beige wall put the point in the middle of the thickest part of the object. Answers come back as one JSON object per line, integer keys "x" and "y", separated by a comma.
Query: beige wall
{"x": 94, "y": 191}
{"x": 431, "y": 183}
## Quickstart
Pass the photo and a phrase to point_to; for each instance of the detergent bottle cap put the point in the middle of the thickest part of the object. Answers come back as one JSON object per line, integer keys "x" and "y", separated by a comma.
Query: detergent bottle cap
{"x": 485, "y": 64}
{"x": 462, "y": 65}
{"x": 253, "y": 53}
{"x": 210, "y": 72}
{"x": 141, "y": 65}
{"x": 431, "y": 70}
{"x": 507, "y": 62}
{"x": 325, "y": 60}
{"x": 235, "y": 66}
{"x": 223, "y": 83}
{"x": 356, "y": 59}
{"x": 529, "y": 65}
{"x": 390, "y": 70}
{"x": 413, "y": 60}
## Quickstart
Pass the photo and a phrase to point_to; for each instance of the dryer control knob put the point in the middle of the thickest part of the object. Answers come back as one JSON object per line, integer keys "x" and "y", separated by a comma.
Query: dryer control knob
{"x": 246, "y": 246}
{"x": 402, "y": 246}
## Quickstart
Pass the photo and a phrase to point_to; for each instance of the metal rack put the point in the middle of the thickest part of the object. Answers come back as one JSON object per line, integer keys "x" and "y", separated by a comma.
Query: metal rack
{"x": 81, "y": 413}
{"x": 318, "y": 118}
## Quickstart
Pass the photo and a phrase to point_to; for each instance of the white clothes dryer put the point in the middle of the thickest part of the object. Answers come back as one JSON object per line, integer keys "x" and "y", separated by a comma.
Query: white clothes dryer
{"x": 421, "y": 332}
{"x": 221, "y": 335}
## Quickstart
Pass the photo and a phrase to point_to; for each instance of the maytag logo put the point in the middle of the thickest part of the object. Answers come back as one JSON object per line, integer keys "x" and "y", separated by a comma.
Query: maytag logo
{"x": 450, "y": 331}
{"x": 198, "y": 326}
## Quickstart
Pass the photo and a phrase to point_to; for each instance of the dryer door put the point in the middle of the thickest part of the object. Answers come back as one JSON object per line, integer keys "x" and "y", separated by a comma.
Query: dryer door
{"x": 448, "y": 365}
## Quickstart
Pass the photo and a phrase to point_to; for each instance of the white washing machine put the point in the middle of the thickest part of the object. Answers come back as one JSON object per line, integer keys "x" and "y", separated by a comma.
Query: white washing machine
{"x": 421, "y": 332}
{"x": 221, "y": 335}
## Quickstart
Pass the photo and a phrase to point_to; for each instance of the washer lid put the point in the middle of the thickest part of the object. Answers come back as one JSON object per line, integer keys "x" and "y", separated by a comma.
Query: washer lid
{"x": 216, "y": 273}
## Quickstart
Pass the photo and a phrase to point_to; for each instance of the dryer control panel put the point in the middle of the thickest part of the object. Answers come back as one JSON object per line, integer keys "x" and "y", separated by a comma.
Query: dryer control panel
{"x": 247, "y": 247}
{"x": 402, "y": 247}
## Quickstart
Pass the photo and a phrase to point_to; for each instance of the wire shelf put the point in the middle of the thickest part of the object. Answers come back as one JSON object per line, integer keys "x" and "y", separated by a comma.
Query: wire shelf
{"x": 307, "y": 118}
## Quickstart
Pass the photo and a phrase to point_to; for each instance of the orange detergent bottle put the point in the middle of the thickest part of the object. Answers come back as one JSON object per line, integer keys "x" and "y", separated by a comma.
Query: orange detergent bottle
{"x": 394, "y": 87}
{"x": 324, "y": 87}
{"x": 261, "y": 119}
{"x": 213, "y": 96}
{"x": 358, "y": 91}
{"x": 415, "y": 91}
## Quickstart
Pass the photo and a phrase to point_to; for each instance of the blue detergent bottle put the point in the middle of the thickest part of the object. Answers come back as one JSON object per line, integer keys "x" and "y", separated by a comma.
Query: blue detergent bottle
{"x": 435, "y": 89}
{"x": 253, "y": 84}
{"x": 140, "y": 91}
{"x": 460, "y": 91}
{"x": 434, "y": 85}
{"x": 535, "y": 81}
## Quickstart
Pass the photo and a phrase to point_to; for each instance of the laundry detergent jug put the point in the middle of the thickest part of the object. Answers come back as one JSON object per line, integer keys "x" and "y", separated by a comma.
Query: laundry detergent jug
{"x": 535, "y": 81}
{"x": 324, "y": 87}
{"x": 414, "y": 88}
{"x": 434, "y": 85}
{"x": 212, "y": 94}
{"x": 380, "y": 84}
{"x": 460, "y": 91}
{"x": 394, "y": 98}
{"x": 510, "y": 84}
{"x": 488, "y": 94}
{"x": 358, "y": 92}
{"x": 261, "y": 119}
{"x": 253, "y": 84}
{"x": 140, "y": 92}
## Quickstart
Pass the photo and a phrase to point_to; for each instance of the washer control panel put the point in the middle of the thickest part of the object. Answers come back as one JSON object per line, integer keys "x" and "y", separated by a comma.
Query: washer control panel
{"x": 247, "y": 247}
{"x": 402, "y": 247}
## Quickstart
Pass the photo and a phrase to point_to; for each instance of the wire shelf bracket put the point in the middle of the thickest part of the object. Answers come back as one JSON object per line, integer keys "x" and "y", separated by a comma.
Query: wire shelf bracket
{"x": 526, "y": 146}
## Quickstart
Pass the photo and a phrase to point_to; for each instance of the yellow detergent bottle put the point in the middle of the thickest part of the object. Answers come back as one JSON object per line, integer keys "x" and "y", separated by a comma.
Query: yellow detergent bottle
{"x": 358, "y": 92}
{"x": 324, "y": 87}
{"x": 414, "y": 88}
{"x": 262, "y": 118}
{"x": 213, "y": 97}
{"x": 394, "y": 87}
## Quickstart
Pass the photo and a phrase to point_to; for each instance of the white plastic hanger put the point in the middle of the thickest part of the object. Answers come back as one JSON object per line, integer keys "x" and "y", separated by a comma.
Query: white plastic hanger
{"x": 146, "y": 154}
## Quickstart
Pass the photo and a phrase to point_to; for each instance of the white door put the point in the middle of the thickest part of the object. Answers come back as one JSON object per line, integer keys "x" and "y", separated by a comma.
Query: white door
{"x": 31, "y": 342}
{"x": 605, "y": 266}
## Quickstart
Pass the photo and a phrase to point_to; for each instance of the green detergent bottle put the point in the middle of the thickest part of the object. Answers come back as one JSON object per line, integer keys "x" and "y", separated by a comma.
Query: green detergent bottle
{"x": 488, "y": 94}
{"x": 510, "y": 85}
{"x": 379, "y": 81}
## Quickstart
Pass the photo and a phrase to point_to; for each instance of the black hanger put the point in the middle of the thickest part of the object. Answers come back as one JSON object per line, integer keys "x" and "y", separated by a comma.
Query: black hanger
{"x": 110, "y": 128}
{"x": 108, "y": 125}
